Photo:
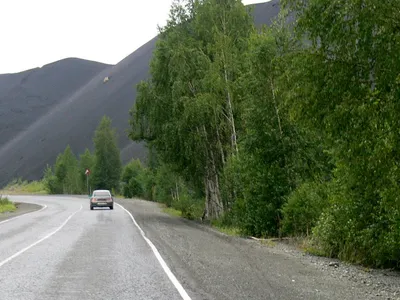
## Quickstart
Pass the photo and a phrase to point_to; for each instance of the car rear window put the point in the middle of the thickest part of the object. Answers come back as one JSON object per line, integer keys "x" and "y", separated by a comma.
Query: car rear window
{"x": 101, "y": 194}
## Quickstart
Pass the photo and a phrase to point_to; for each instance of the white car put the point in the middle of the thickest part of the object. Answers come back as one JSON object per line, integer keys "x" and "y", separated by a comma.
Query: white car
{"x": 101, "y": 198}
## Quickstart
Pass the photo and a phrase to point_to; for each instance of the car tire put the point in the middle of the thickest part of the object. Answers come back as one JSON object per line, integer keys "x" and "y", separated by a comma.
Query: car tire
{"x": 112, "y": 207}
{"x": 91, "y": 207}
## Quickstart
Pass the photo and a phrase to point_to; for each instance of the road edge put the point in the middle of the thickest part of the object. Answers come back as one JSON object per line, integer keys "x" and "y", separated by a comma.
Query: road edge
{"x": 7, "y": 217}
{"x": 182, "y": 292}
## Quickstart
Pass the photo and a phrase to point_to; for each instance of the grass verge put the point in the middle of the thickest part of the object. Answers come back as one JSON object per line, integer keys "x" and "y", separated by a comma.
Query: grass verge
{"x": 6, "y": 205}
{"x": 21, "y": 187}
{"x": 229, "y": 230}
{"x": 307, "y": 245}
{"x": 172, "y": 212}
{"x": 232, "y": 231}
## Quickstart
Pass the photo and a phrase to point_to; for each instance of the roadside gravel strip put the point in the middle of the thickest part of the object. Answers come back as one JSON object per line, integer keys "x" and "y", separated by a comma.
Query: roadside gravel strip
{"x": 212, "y": 265}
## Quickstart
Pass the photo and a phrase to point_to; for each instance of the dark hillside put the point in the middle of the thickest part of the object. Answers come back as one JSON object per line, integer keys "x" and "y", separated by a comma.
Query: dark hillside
{"x": 26, "y": 96}
{"x": 73, "y": 120}
{"x": 264, "y": 13}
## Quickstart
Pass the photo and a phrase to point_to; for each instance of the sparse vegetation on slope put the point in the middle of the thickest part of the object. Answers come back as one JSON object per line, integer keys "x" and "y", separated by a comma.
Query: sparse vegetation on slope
{"x": 19, "y": 186}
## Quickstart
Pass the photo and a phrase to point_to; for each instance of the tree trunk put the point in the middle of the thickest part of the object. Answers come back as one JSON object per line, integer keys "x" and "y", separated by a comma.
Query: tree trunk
{"x": 213, "y": 202}
{"x": 214, "y": 206}
{"x": 276, "y": 108}
{"x": 221, "y": 149}
{"x": 177, "y": 191}
{"x": 228, "y": 93}
{"x": 230, "y": 112}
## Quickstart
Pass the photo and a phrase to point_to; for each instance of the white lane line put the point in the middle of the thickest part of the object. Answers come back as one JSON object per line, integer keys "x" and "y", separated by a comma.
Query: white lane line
{"x": 39, "y": 241}
{"x": 16, "y": 217}
{"x": 167, "y": 270}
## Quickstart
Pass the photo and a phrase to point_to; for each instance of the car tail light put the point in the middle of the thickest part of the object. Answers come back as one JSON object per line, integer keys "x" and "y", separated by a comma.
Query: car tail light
{"x": 109, "y": 199}
{"x": 93, "y": 199}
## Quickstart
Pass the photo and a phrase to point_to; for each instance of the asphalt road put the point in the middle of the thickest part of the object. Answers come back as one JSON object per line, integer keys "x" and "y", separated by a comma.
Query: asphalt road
{"x": 66, "y": 251}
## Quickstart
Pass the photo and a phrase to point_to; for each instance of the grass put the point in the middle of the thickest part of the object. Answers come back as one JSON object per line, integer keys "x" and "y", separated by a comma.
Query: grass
{"x": 21, "y": 187}
{"x": 307, "y": 245}
{"x": 6, "y": 205}
{"x": 268, "y": 242}
{"x": 229, "y": 230}
{"x": 232, "y": 231}
{"x": 172, "y": 212}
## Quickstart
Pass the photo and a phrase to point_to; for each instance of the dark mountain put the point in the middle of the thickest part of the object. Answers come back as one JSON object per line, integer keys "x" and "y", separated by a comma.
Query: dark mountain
{"x": 27, "y": 96}
{"x": 43, "y": 110}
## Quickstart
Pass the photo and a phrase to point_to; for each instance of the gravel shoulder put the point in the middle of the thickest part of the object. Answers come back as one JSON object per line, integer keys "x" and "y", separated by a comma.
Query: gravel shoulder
{"x": 212, "y": 265}
{"x": 22, "y": 208}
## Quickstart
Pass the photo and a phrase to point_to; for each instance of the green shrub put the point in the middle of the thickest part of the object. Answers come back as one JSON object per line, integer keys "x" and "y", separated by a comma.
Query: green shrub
{"x": 303, "y": 208}
{"x": 6, "y": 205}
{"x": 347, "y": 230}
{"x": 190, "y": 207}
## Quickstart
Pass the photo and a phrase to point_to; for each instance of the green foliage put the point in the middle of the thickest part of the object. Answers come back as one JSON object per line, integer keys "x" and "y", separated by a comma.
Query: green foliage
{"x": 173, "y": 191}
{"x": 274, "y": 151}
{"x": 187, "y": 111}
{"x": 304, "y": 207}
{"x": 67, "y": 176}
{"x": 346, "y": 85}
{"x": 146, "y": 179}
{"x": 107, "y": 162}
{"x": 165, "y": 185}
{"x": 50, "y": 181}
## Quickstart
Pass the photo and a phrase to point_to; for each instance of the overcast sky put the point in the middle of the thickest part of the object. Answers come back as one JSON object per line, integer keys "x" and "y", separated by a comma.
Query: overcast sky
{"x": 37, "y": 32}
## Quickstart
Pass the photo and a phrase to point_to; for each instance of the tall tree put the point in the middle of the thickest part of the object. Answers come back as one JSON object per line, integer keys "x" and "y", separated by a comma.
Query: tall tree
{"x": 187, "y": 109}
{"x": 107, "y": 162}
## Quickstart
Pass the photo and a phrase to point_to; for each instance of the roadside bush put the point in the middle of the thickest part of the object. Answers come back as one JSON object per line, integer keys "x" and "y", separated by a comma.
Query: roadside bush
{"x": 303, "y": 208}
{"x": 190, "y": 207}
{"x": 6, "y": 205}
{"x": 359, "y": 231}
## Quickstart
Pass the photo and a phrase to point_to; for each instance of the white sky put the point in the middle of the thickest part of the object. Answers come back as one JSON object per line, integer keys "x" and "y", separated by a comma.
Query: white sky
{"x": 38, "y": 32}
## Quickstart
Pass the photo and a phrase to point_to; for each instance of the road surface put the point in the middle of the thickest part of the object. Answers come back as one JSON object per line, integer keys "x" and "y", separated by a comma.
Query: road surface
{"x": 66, "y": 251}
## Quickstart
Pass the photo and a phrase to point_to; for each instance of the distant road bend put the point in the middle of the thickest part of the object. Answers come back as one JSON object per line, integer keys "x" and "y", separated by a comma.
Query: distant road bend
{"x": 66, "y": 251}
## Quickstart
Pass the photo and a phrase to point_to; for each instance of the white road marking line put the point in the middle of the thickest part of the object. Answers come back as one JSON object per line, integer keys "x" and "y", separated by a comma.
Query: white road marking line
{"x": 39, "y": 241}
{"x": 167, "y": 270}
{"x": 16, "y": 217}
